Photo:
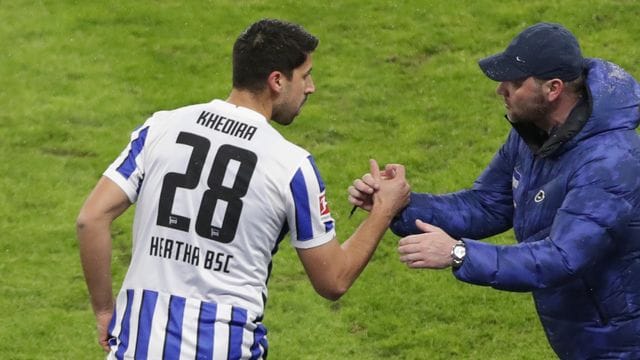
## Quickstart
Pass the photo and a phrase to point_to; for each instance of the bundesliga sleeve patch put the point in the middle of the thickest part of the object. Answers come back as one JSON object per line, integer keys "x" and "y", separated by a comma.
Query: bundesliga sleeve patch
{"x": 325, "y": 213}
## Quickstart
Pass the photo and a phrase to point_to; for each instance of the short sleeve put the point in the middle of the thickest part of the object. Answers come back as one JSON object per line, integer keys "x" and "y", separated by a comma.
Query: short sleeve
{"x": 308, "y": 209}
{"x": 127, "y": 171}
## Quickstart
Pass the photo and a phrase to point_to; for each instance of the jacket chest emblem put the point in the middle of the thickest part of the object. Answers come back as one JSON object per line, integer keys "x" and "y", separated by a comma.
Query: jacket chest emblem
{"x": 515, "y": 179}
{"x": 539, "y": 196}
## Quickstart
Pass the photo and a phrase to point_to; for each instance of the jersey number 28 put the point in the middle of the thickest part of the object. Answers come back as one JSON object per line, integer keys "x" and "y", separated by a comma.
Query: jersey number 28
{"x": 216, "y": 190}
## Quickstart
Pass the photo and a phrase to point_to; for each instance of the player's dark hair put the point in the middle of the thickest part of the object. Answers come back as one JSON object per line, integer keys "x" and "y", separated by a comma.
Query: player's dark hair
{"x": 266, "y": 46}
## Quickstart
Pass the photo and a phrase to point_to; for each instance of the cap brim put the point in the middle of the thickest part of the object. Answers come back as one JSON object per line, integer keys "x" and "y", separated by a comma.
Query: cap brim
{"x": 500, "y": 67}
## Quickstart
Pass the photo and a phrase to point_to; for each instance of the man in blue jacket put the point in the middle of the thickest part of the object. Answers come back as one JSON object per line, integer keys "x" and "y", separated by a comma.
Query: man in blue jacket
{"x": 567, "y": 180}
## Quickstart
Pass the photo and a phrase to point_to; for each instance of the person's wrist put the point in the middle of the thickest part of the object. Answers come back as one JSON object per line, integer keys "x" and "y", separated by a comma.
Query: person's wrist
{"x": 458, "y": 254}
{"x": 383, "y": 208}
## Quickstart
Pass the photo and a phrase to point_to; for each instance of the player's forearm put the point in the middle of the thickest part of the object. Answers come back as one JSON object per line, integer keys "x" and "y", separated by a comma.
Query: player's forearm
{"x": 105, "y": 203}
{"x": 95, "y": 255}
{"x": 359, "y": 248}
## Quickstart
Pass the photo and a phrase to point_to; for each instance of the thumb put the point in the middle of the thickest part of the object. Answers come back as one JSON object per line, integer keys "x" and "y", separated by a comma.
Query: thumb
{"x": 374, "y": 169}
{"x": 425, "y": 227}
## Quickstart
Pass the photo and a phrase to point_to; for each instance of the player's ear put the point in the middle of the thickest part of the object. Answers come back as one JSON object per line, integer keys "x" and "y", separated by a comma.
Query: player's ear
{"x": 275, "y": 81}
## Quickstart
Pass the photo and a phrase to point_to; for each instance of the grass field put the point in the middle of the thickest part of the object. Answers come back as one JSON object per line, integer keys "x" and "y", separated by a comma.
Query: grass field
{"x": 396, "y": 81}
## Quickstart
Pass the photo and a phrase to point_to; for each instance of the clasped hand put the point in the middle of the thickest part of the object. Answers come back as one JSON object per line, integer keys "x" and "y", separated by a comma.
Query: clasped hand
{"x": 430, "y": 249}
{"x": 392, "y": 190}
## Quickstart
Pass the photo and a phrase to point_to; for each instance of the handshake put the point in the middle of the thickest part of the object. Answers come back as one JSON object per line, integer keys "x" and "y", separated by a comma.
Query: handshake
{"x": 431, "y": 247}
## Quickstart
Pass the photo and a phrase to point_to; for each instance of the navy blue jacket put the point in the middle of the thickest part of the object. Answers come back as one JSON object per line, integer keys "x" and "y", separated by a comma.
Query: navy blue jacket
{"x": 574, "y": 206}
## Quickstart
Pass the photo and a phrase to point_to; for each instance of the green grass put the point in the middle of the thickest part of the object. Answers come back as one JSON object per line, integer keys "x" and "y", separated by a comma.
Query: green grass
{"x": 396, "y": 80}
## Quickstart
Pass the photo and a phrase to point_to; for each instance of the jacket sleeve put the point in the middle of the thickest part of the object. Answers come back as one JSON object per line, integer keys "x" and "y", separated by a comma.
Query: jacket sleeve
{"x": 601, "y": 200}
{"x": 484, "y": 210}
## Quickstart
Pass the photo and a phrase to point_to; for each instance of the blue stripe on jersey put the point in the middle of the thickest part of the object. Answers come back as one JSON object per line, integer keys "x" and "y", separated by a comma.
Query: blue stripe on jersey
{"x": 173, "y": 337}
{"x": 206, "y": 322}
{"x": 112, "y": 323}
{"x": 283, "y": 232}
{"x": 124, "y": 327}
{"x": 128, "y": 166}
{"x": 329, "y": 224}
{"x": 148, "y": 306}
{"x": 259, "y": 339}
{"x": 236, "y": 327}
{"x": 139, "y": 185}
{"x": 301, "y": 200}
{"x": 315, "y": 169}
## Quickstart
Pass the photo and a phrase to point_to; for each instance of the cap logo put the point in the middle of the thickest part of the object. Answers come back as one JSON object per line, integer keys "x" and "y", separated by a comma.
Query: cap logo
{"x": 520, "y": 60}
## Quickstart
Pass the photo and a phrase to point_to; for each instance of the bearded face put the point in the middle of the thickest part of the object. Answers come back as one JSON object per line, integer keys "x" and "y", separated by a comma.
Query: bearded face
{"x": 525, "y": 101}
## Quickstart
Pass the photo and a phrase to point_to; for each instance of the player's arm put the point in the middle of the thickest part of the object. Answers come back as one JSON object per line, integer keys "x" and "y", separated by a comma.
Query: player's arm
{"x": 93, "y": 226}
{"x": 333, "y": 267}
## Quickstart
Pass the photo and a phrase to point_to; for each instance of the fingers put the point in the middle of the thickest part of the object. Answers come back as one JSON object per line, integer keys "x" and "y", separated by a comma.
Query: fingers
{"x": 389, "y": 172}
{"x": 421, "y": 225}
{"x": 356, "y": 200}
{"x": 102, "y": 323}
{"x": 104, "y": 344}
{"x": 408, "y": 247}
{"x": 431, "y": 249}
{"x": 427, "y": 228}
{"x": 353, "y": 200}
{"x": 410, "y": 251}
{"x": 394, "y": 170}
{"x": 418, "y": 264}
{"x": 405, "y": 241}
{"x": 370, "y": 181}
{"x": 360, "y": 190}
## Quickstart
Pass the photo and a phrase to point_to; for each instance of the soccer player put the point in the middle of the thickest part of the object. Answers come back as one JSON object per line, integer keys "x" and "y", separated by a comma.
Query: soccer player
{"x": 216, "y": 189}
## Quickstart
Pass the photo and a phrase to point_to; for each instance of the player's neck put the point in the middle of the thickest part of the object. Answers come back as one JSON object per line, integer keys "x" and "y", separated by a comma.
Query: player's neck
{"x": 560, "y": 113}
{"x": 256, "y": 102}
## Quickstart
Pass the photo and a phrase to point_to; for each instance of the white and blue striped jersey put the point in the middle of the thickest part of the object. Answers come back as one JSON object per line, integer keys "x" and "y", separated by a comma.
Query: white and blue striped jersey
{"x": 216, "y": 189}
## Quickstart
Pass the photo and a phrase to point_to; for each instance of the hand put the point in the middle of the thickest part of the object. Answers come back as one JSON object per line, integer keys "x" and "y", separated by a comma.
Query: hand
{"x": 361, "y": 192}
{"x": 393, "y": 191}
{"x": 102, "y": 322}
{"x": 431, "y": 249}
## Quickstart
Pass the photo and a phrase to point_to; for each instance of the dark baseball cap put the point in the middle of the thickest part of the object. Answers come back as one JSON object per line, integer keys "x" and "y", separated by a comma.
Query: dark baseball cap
{"x": 543, "y": 50}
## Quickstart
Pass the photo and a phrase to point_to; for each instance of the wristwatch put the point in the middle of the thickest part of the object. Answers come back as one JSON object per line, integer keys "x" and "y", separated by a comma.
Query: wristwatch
{"x": 458, "y": 253}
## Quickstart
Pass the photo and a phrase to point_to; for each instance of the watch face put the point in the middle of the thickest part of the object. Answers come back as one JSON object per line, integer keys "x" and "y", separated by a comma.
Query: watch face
{"x": 459, "y": 251}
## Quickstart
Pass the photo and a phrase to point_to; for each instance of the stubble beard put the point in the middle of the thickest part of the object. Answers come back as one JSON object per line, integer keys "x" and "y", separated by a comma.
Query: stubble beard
{"x": 284, "y": 115}
{"x": 535, "y": 113}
